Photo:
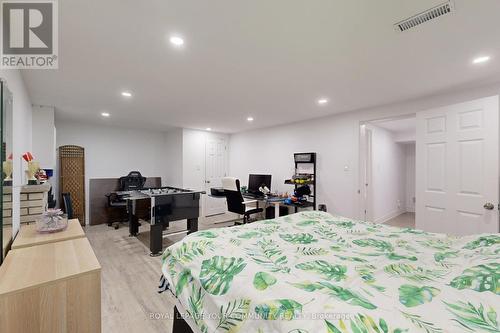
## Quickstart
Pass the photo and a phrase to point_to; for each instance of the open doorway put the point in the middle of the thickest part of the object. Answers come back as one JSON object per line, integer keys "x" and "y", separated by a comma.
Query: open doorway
{"x": 388, "y": 170}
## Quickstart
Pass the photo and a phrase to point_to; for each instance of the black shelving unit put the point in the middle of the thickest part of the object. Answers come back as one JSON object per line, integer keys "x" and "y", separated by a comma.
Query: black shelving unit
{"x": 305, "y": 158}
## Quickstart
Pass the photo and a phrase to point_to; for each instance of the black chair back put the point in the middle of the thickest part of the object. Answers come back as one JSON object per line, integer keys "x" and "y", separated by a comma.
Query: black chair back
{"x": 233, "y": 195}
{"x": 68, "y": 206}
{"x": 133, "y": 181}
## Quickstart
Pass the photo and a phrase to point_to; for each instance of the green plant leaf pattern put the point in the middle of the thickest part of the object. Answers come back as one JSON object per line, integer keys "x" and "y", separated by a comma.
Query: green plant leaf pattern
{"x": 483, "y": 241}
{"x": 479, "y": 278}
{"x": 218, "y": 272}
{"x": 184, "y": 278}
{"x": 377, "y": 244}
{"x": 195, "y": 310}
{"x": 250, "y": 234}
{"x": 417, "y": 320}
{"x": 411, "y": 296}
{"x": 342, "y": 224}
{"x": 474, "y": 318}
{"x": 311, "y": 251}
{"x": 308, "y": 286}
{"x": 348, "y": 296}
{"x": 189, "y": 250}
{"x": 361, "y": 323}
{"x": 366, "y": 273}
{"x": 327, "y": 270}
{"x": 263, "y": 280}
{"x": 325, "y": 232}
{"x": 274, "y": 275}
{"x": 413, "y": 273}
{"x": 302, "y": 238}
{"x": 279, "y": 309}
{"x": 233, "y": 314}
{"x": 306, "y": 223}
{"x": 205, "y": 234}
{"x": 268, "y": 254}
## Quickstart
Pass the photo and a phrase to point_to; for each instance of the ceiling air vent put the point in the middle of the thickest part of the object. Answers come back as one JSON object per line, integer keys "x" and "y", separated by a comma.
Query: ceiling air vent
{"x": 426, "y": 16}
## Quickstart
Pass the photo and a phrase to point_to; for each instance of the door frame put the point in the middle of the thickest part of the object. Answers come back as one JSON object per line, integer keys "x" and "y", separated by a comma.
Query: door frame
{"x": 365, "y": 211}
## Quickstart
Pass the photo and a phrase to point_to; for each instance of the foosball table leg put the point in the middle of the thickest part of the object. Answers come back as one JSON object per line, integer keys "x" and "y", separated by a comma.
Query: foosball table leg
{"x": 156, "y": 239}
{"x": 192, "y": 225}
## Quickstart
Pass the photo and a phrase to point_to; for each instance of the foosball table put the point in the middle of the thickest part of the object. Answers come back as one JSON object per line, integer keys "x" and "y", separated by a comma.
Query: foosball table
{"x": 167, "y": 204}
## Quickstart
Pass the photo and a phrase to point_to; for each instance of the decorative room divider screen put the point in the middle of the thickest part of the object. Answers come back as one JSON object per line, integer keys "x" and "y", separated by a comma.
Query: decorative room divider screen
{"x": 72, "y": 178}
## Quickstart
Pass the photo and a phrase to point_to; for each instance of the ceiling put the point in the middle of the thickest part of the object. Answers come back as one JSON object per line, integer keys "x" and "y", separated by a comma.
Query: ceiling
{"x": 267, "y": 59}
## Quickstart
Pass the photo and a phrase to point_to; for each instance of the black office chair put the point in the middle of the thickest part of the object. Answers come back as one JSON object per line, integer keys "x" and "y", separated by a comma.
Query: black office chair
{"x": 68, "y": 206}
{"x": 133, "y": 181}
{"x": 235, "y": 202}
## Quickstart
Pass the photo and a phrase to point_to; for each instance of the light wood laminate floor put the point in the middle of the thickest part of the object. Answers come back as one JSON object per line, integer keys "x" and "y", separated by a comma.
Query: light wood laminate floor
{"x": 130, "y": 301}
{"x": 405, "y": 220}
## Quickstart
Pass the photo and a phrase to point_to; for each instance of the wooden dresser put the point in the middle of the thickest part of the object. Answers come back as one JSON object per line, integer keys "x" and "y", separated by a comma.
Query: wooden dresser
{"x": 53, "y": 287}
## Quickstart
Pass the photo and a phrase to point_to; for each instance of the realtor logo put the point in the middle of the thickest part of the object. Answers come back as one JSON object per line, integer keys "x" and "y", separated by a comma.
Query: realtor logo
{"x": 29, "y": 37}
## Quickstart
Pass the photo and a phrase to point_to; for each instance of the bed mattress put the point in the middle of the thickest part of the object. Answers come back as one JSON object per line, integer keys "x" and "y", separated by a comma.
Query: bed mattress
{"x": 314, "y": 272}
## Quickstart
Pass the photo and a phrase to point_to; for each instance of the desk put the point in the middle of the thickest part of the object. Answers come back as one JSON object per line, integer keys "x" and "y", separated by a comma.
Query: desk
{"x": 28, "y": 236}
{"x": 276, "y": 201}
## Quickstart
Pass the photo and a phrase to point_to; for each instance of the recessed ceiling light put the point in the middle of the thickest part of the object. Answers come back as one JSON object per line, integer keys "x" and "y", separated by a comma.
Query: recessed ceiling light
{"x": 322, "y": 101}
{"x": 208, "y": 129}
{"x": 480, "y": 60}
{"x": 177, "y": 41}
{"x": 250, "y": 119}
{"x": 126, "y": 94}
{"x": 105, "y": 114}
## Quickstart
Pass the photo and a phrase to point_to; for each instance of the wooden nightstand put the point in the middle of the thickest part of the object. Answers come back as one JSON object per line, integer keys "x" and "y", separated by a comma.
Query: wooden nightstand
{"x": 51, "y": 288}
{"x": 28, "y": 236}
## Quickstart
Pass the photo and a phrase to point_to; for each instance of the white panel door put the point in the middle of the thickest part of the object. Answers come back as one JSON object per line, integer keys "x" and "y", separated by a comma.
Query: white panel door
{"x": 215, "y": 169}
{"x": 458, "y": 168}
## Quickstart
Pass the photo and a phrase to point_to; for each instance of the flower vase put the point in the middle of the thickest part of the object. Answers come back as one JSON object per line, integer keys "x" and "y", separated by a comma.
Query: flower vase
{"x": 33, "y": 167}
{"x": 53, "y": 220}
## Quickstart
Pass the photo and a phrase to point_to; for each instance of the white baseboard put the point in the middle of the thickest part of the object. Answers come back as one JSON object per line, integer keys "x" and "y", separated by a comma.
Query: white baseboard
{"x": 410, "y": 210}
{"x": 390, "y": 216}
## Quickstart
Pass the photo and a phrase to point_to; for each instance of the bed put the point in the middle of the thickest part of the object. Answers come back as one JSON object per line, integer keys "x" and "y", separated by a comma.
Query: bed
{"x": 314, "y": 272}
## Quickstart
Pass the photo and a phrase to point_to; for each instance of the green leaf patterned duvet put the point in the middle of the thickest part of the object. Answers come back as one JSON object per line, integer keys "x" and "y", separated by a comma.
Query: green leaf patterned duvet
{"x": 314, "y": 272}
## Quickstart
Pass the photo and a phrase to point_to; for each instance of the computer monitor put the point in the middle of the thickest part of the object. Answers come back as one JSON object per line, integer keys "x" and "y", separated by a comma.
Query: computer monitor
{"x": 256, "y": 181}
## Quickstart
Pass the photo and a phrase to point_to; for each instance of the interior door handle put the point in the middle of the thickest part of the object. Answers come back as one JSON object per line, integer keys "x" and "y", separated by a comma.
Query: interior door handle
{"x": 489, "y": 206}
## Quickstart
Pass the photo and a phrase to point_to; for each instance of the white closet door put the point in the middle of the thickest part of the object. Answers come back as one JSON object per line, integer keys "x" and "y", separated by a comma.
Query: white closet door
{"x": 215, "y": 157}
{"x": 458, "y": 168}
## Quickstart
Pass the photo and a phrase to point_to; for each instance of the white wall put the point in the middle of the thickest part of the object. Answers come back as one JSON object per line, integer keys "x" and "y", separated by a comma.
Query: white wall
{"x": 335, "y": 139}
{"x": 173, "y": 156}
{"x": 111, "y": 152}
{"x": 410, "y": 154}
{"x": 22, "y": 114}
{"x": 409, "y": 136}
{"x": 388, "y": 176}
{"x": 44, "y": 144}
